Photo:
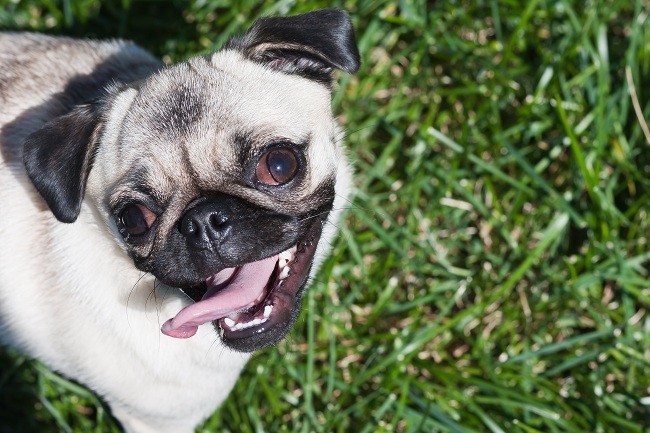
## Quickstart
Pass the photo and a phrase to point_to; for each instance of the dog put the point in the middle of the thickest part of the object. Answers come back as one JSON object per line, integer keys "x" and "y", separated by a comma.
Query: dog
{"x": 159, "y": 223}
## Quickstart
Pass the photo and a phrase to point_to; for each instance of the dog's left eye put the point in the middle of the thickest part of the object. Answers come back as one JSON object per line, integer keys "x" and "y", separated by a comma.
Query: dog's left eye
{"x": 277, "y": 166}
{"x": 137, "y": 219}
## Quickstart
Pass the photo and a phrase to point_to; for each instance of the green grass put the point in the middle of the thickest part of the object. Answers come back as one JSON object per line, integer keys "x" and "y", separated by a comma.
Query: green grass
{"x": 493, "y": 274}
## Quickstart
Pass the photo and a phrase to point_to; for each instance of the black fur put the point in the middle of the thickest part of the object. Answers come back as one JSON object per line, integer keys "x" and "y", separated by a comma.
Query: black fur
{"x": 250, "y": 233}
{"x": 272, "y": 336}
{"x": 58, "y": 158}
{"x": 178, "y": 111}
{"x": 59, "y": 155}
{"x": 310, "y": 45}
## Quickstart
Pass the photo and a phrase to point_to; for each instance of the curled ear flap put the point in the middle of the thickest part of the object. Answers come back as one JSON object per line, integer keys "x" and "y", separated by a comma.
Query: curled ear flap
{"x": 58, "y": 158}
{"x": 310, "y": 45}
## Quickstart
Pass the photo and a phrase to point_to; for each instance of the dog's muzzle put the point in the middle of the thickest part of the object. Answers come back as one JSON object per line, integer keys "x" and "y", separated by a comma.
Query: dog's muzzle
{"x": 255, "y": 304}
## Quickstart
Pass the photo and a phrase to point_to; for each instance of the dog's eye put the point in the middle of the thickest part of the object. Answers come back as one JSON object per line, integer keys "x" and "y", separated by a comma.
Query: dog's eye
{"x": 137, "y": 219}
{"x": 277, "y": 166}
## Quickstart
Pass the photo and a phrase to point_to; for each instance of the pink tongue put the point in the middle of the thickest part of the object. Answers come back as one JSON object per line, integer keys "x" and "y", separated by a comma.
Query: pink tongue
{"x": 242, "y": 292}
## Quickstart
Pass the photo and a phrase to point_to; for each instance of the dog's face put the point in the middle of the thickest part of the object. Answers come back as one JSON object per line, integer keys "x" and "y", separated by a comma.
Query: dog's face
{"x": 217, "y": 175}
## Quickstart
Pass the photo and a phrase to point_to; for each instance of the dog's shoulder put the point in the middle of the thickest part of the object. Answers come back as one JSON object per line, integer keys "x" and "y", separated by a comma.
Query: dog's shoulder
{"x": 42, "y": 77}
{"x": 28, "y": 45}
{"x": 47, "y": 64}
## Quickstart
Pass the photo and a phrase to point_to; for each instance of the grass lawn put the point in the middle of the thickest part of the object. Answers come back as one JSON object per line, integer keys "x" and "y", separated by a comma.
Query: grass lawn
{"x": 493, "y": 273}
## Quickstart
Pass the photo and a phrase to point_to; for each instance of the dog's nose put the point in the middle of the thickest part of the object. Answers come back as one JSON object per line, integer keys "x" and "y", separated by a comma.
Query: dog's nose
{"x": 206, "y": 225}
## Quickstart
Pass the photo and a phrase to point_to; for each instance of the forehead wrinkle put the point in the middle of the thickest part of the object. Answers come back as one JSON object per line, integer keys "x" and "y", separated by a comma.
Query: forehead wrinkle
{"x": 211, "y": 72}
{"x": 208, "y": 159}
{"x": 158, "y": 170}
{"x": 272, "y": 97}
{"x": 178, "y": 202}
{"x": 236, "y": 93}
{"x": 173, "y": 101}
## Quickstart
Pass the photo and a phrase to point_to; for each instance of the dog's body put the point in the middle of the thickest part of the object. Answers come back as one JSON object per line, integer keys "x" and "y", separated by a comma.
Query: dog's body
{"x": 150, "y": 149}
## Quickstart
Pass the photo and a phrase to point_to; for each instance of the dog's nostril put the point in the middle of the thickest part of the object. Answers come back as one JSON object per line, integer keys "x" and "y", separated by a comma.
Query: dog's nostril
{"x": 217, "y": 220}
{"x": 196, "y": 226}
{"x": 188, "y": 226}
{"x": 207, "y": 223}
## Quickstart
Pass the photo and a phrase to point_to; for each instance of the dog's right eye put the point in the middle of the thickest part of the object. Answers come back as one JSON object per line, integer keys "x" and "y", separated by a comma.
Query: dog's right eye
{"x": 277, "y": 166}
{"x": 137, "y": 219}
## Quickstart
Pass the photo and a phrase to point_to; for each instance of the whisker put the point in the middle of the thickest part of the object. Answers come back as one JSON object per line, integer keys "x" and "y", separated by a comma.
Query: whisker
{"x": 133, "y": 288}
{"x": 355, "y": 205}
{"x": 151, "y": 293}
{"x": 349, "y": 133}
{"x": 307, "y": 218}
{"x": 214, "y": 341}
{"x": 155, "y": 302}
{"x": 128, "y": 299}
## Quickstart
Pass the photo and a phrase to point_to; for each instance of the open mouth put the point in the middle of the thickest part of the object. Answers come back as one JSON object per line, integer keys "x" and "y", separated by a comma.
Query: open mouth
{"x": 253, "y": 304}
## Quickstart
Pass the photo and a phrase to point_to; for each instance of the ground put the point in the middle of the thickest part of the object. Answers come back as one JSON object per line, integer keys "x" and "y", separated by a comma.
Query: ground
{"x": 493, "y": 271}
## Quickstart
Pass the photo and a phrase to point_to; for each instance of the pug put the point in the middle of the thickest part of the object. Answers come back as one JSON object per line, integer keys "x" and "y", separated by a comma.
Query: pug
{"x": 158, "y": 224}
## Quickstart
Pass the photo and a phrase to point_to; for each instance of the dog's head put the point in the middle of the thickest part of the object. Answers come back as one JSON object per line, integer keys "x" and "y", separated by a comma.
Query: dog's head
{"x": 219, "y": 176}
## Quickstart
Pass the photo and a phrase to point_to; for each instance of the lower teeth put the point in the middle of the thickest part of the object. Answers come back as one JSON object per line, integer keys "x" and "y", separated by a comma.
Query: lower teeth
{"x": 240, "y": 326}
{"x": 284, "y": 269}
{"x": 234, "y": 326}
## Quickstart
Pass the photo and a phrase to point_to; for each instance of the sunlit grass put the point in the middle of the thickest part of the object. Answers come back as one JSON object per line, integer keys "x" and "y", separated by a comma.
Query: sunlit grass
{"x": 493, "y": 274}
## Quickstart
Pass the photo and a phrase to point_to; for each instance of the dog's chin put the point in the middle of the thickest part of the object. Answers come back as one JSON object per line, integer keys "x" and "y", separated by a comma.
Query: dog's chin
{"x": 269, "y": 333}
{"x": 253, "y": 305}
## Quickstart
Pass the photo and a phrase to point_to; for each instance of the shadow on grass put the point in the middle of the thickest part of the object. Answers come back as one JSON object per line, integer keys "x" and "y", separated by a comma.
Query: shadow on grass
{"x": 19, "y": 396}
{"x": 34, "y": 399}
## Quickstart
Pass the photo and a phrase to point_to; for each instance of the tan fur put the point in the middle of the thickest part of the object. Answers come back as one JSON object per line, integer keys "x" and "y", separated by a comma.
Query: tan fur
{"x": 69, "y": 293}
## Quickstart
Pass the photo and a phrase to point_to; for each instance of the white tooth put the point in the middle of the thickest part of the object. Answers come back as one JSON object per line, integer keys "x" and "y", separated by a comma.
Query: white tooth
{"x": 267, "y": 311}
{"x": 286, "y": 255}
{"x": 282, "y": 262}
{"x": 229, "y": 322}
{"x": 285, "y": 273}
{"x": 254, "y": 322}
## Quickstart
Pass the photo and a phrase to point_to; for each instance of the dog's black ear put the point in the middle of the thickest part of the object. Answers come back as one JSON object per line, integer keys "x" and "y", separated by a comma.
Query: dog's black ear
{"x": 58, "y": 158}
{"x": 311, "y": 44}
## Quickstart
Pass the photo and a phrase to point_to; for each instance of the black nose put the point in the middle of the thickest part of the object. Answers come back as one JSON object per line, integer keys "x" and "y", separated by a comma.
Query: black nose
{"x": 208, "y": 224}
